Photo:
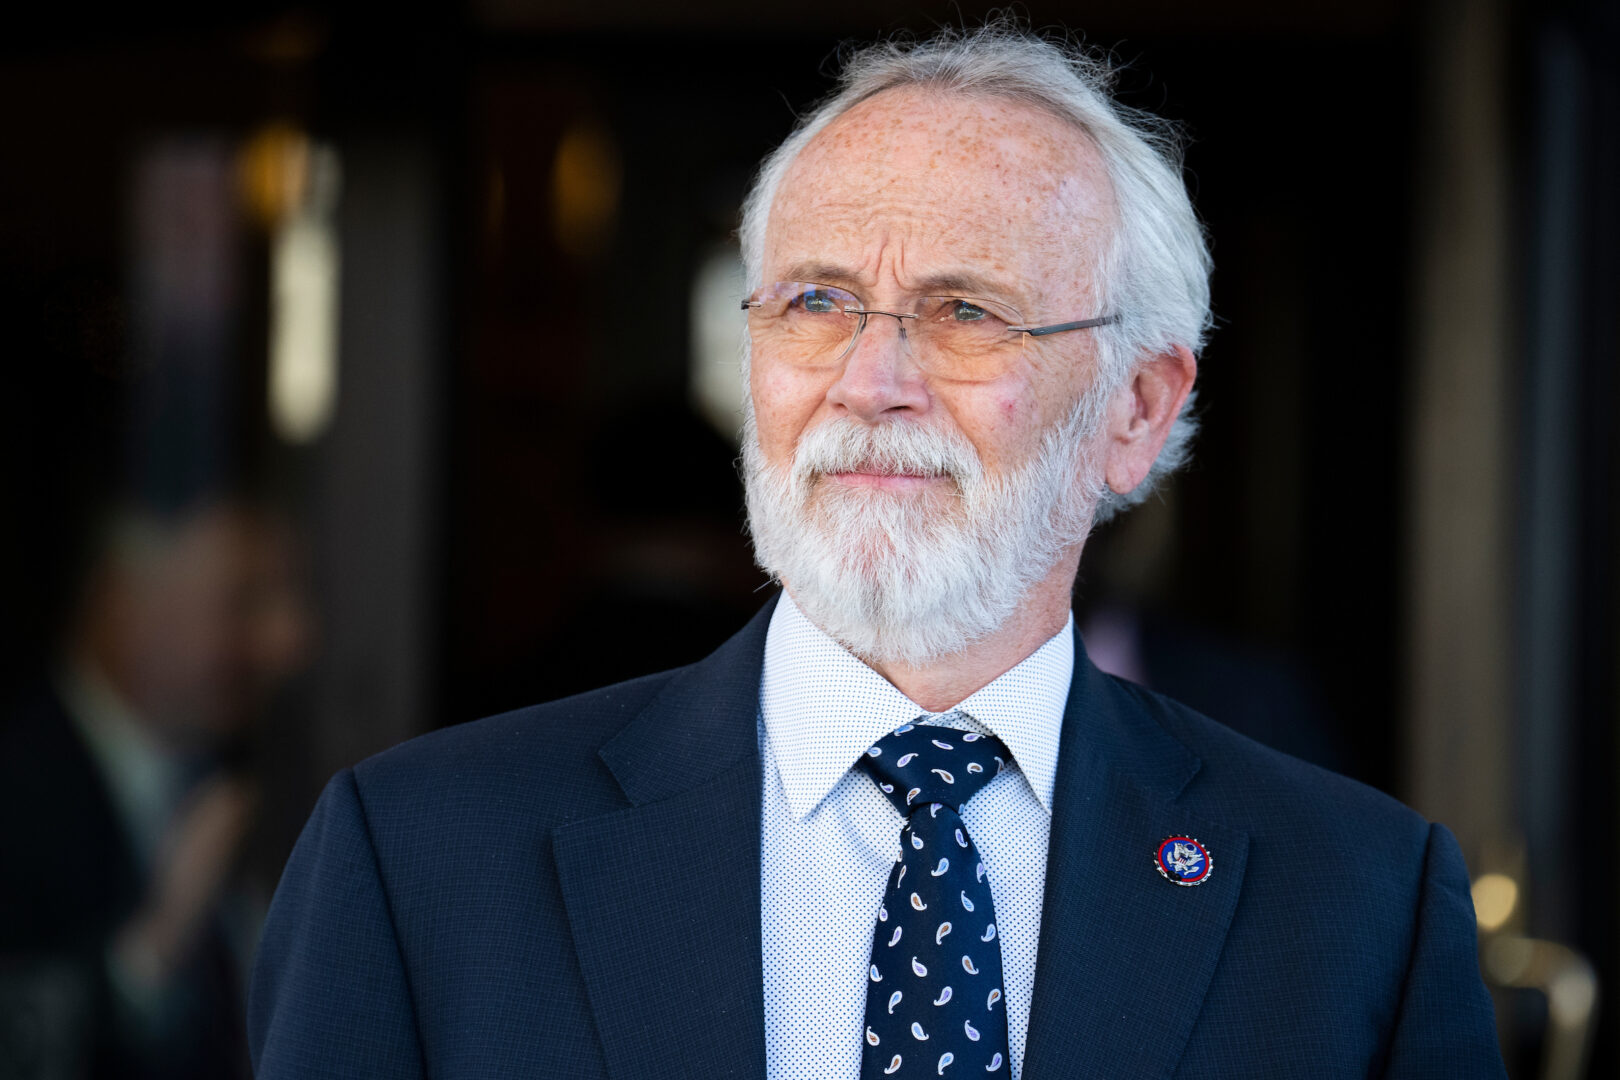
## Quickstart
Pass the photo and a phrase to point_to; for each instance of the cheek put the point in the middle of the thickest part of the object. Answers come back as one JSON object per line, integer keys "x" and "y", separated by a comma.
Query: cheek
{"x": 1020, "y": 421}
{"x": 1002, "y": 423}
{"x": 785, "y": 400}
{"x": 1006, "y": 421}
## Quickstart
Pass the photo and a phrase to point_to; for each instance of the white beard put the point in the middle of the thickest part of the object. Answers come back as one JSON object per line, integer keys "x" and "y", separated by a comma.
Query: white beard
{"x": 903, "y": 578}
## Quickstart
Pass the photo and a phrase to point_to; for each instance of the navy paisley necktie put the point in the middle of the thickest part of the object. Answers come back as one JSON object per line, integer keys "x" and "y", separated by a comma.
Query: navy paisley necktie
{"x": 934, "y": 989}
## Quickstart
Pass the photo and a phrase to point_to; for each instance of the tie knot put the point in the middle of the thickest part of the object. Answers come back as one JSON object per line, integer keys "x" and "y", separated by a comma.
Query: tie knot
{"x": 916, "y": 765}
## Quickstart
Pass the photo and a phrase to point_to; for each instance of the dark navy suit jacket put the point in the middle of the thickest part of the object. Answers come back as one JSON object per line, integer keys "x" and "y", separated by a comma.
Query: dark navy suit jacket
{"x": 573, "y": 890}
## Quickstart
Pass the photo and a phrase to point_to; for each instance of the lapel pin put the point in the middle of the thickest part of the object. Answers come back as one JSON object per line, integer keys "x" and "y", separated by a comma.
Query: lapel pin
{"x": 1182, "y": 860}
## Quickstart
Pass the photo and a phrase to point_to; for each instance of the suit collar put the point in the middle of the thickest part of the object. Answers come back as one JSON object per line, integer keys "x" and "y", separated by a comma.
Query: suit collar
{"x": 689, "y": 732}
{"x": 700, "y": 725}
{"x": 665, "y": 893}
{"x": 1125, "y": 956}
{"x": 1107, "y": 721}
{"x": 663, "y": 896}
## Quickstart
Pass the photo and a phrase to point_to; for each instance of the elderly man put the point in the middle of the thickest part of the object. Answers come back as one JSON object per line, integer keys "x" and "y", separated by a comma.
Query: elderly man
{"x": 899, "y": 825}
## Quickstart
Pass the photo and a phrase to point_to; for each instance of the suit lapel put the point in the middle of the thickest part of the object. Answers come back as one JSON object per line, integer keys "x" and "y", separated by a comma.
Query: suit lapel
{"x": 663, "y": 897}
{"x": 1125, "y": 956}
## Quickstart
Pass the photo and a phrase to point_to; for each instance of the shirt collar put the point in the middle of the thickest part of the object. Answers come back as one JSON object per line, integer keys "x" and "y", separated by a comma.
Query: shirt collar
{"x": 146, "y": 782}
{"x": 822, "y": 707}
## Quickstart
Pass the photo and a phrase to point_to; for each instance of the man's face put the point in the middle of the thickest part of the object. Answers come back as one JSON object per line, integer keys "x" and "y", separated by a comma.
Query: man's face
{"x": 207, "y": 626}
{"x": 911, "y": 189}
{"x": 905, "y": 482}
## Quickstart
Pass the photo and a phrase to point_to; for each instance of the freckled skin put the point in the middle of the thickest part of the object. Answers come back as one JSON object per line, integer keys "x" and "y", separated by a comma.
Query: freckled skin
{"x": 915, "y": 184}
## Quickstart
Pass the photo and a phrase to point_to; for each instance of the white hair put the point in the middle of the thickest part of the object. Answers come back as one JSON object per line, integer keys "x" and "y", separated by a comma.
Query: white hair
{"x": 1154, "y": 266}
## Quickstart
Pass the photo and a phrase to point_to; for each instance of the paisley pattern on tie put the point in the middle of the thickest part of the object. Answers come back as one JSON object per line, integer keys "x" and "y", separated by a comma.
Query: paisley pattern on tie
{"x": 933, "y": 993}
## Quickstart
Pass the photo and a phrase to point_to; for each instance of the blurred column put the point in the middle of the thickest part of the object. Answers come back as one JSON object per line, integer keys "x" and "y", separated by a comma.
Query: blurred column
{"x": 1550, "y": 474}
{"x": 376, "y": 469}
{"x": 181, "y": 443}
{"x": 1459, "y": 559}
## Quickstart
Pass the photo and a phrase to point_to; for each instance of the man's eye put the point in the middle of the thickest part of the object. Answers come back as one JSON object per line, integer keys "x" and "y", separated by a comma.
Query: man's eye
{"x": 965, "y": 311}
{"x": 818, "y": 303}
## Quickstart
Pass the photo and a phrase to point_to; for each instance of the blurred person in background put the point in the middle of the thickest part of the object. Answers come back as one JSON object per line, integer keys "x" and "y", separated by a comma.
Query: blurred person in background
{"x": 126, "y": 803}
{"x": 899, "y": 825}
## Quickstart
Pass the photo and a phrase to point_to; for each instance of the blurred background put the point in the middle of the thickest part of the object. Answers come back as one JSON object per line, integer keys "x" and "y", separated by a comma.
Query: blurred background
{"x": 372, "y": 371}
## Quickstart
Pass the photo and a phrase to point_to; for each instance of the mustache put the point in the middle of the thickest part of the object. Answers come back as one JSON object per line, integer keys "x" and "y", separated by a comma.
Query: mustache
{"x": 895, "y": 448}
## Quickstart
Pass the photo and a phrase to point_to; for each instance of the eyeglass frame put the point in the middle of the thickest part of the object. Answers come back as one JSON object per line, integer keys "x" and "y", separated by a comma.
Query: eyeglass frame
{"x": 1033, "y": 331}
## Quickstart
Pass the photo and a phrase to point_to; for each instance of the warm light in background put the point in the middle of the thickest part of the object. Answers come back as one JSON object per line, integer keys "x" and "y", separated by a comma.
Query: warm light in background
{"x": 290, "y": 185}
{"x": 273, "y": 171}
{"x": 1495, "y": 897}
{"x": 585, "y": 179}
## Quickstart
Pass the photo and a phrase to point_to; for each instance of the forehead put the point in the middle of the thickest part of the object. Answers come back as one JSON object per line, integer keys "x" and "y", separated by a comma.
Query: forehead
{"x": 919, "y": 182}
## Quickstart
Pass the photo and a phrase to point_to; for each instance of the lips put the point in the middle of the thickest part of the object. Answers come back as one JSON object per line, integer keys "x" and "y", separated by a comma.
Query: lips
{"x": 886, "y": 472}
{"x": 881, "y": 471}
{"x": 883, "y": 479}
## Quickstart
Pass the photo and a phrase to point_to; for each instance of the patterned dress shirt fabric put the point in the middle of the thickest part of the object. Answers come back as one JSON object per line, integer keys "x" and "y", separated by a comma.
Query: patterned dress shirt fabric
{"x": 829, "y": 838}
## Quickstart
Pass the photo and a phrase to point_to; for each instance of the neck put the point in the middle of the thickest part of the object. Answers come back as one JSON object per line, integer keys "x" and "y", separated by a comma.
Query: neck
{"x": 943, "y": 684}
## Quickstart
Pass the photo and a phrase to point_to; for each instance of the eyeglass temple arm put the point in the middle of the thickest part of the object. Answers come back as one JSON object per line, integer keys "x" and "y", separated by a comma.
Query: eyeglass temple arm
{"x": 1058, "y": 328}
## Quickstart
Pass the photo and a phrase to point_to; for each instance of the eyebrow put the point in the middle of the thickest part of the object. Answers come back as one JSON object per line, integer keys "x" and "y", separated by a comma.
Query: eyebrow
{"x": 954, "y": 283}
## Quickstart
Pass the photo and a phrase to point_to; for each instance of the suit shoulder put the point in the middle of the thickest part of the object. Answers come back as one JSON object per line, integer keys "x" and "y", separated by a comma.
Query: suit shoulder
{"x": 1251, "y": 786}
{"x": 545, "y": 754}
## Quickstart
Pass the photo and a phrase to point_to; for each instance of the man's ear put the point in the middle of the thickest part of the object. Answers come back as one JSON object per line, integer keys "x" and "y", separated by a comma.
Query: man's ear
{"x": 1141, "y": 413}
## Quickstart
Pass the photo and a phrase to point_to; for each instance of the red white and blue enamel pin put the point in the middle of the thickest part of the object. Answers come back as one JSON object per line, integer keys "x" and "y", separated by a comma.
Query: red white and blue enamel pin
{"x": 1182, "y": 860}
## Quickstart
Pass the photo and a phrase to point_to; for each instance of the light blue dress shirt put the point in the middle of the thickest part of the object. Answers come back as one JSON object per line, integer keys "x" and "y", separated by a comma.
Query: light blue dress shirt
{"x": 829, "y": 838}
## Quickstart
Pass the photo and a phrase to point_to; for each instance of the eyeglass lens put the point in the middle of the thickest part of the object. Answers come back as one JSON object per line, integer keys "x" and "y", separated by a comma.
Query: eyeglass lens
{"x": 811, "y": 325}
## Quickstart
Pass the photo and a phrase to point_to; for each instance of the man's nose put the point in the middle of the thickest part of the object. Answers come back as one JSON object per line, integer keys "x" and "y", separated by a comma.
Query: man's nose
{"x": 880, "y": 373}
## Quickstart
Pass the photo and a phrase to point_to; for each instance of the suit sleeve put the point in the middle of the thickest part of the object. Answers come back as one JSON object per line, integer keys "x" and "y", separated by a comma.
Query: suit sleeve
{"x": 1446, "y": 1026}
{"x": 329, "y": 995}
